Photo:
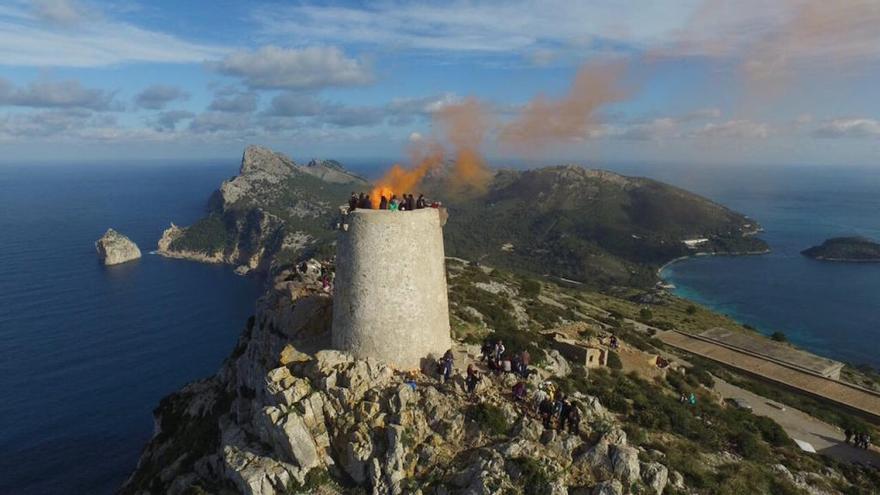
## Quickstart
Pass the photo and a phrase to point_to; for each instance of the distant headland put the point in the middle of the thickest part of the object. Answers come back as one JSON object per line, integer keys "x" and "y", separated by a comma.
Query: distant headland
{"x": 846, "y": 249}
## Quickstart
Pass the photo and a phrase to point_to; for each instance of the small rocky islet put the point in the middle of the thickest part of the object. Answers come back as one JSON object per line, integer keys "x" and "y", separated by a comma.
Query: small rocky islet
{"x": 845, "y": 249}
{"x": 114, "y": 248}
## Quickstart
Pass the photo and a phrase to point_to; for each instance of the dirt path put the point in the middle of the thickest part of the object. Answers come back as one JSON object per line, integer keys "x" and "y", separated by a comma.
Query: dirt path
{"x": 826, "y": 439}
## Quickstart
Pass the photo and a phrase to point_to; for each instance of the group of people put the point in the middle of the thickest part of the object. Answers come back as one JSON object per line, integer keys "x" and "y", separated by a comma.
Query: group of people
{"x": 555, "y": 410}
{"x": 325, "y": 272}
{"x": 406, "y": 203}
{"x": 493, "y": 355}
{"x": 552, "y": 406}
{"x": 859, "y": 440}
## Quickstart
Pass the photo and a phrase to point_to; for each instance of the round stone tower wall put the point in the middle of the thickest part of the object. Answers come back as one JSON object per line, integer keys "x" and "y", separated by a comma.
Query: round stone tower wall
{"x": 390, "y": 299}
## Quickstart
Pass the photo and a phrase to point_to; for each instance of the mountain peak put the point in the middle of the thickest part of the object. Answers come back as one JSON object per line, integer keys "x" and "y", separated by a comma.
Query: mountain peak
{"x": 261, "y": 159}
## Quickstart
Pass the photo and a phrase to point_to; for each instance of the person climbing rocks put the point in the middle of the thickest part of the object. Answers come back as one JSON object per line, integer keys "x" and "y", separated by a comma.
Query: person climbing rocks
{"x": 383, "y": 203}
{"x": 421, "y": 203}
{"x": 692, "y": 399}
{"x": 353, "y": 202}
{"x": 393, "y": 204}
{"x": 540, "y": 397}
{"x": 486, "y": 350}
{"x": 525, "y": 360}
{"x": 410, "y": 203}
{"x": 574, "y": 419}
{"x": 498, "y": 352}
{"x": 519, "y": 391}
{"x": 545, "y": 410}
{"x": 848, "y": 434}
{"x": 472, "y": 378}
{"x": 446, "y": 366}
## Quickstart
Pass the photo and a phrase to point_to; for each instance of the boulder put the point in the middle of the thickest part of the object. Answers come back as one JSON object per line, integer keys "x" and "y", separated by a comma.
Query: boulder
{"x": 358, "y": 450}
{"x": 625, "y": 463}
{"x": 114, "y": 248}
{"x": 288, "y": 435}
{"x": 556, "y": 364}
{"x": 655, "y": 476}
{"x": 611, "y": 487}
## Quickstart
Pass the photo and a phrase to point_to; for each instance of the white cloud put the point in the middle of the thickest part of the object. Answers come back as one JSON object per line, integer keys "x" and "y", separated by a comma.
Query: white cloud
{"x": 849, "y": 128}
{"x": 59, "y": 11}
{"x": 57, "y": 94}
{"x": 157, "y": 96}
{"x": 736, "y": 129}
{"x": 489, "y": 26}
{"x": 63, "y": 34}
{"x": 167, "y": 121}
{"x": 234, "y": 101}
{"x": 272, "y": 67}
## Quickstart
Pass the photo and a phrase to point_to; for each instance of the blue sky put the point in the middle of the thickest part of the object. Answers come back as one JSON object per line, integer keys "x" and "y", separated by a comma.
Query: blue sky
{"x": 706, "y": 81}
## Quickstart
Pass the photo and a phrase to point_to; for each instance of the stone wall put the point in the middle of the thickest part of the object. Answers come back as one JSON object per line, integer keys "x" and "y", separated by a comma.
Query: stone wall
{"x": 390, "y": 300}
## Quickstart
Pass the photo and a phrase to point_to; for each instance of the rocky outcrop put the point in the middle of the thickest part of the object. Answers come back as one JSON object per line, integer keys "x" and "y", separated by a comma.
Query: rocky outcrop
{"x": 114, "y": 248}
{"x": 165, "y": 248}
{"x": 285, "y": 414}
{"x": 266, "y": 215}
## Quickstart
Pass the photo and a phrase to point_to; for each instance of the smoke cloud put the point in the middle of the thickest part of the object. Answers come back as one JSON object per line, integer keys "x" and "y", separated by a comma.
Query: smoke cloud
{"x": 465, "y": 125}
{"x": 545, "y": 121}
{"x": 840, "y": 33}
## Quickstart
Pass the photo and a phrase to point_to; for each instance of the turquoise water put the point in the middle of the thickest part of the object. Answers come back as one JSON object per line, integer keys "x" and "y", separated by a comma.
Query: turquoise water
{"x": 87, "y": 351}
{"x": 831, "y": 309}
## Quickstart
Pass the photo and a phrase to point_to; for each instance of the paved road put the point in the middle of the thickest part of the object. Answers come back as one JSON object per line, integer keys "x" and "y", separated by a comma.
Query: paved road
{"x": 830, "y": 389}
{"x": 826, "y": 439}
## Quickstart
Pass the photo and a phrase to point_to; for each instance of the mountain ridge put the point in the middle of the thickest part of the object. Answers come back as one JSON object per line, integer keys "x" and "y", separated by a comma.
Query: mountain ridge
{"x": 567, "y": 221}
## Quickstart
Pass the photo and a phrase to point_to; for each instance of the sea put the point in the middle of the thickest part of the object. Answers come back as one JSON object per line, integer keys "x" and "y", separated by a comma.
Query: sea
{"x": 87, "y": 351}
{"x": 829, "y": 308}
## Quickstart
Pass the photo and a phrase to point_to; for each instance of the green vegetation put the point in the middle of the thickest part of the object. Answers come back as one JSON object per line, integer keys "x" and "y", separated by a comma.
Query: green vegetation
{"x": 314, "y": 479}
{"x": 596, "y": 227}
{"x": 779, "y": 337}
{"x": 646, "y": 314}
{"x": 845, "y": 249}
{"x": 613, "y": 361}
{"x": 489, "y": 417}
{"x": 208, "y": 235}
{"x": 532, "y": 476}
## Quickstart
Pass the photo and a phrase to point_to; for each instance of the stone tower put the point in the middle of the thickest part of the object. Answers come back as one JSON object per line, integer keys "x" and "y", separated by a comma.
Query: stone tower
{"x": 390, "y": 299}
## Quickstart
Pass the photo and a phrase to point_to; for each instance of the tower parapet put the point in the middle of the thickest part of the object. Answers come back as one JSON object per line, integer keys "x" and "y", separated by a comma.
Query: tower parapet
{"x": 390, "y": 300}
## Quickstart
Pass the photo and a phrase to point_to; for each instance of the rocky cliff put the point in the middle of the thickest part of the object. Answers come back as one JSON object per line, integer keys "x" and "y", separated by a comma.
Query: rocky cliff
{"x": 266, "y": 215}
{"x": 593, "y": 226}
{"x": 286, "y": 415}
{"x": 114, "y": 248}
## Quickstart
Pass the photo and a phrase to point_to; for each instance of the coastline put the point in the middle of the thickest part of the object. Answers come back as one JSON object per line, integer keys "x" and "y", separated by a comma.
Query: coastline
{"x": 704, "y": 253}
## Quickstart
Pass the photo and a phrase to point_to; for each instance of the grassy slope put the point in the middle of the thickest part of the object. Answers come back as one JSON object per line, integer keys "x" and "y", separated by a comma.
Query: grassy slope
{"x": 601, "y": 228}
{"x": 718, "y": 449}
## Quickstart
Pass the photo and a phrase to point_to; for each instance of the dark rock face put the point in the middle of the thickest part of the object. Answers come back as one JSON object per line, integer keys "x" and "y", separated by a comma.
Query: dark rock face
{"x": 847, "y": 249}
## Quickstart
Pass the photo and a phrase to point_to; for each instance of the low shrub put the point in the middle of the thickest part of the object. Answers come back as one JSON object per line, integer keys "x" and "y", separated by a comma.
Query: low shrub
{"x": 490, "y": 418}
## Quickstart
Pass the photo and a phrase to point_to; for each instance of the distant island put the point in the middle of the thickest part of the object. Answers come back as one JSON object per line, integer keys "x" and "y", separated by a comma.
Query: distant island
{"x": 850, "y": 249}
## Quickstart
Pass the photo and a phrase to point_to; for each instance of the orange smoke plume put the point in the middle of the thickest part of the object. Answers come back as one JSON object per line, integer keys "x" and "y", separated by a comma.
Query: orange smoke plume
{"x": 838, "y": 33}
{"x": 465, "y": 126}
{"x": 544, "y": 121}
{"x": 399, "y": 180}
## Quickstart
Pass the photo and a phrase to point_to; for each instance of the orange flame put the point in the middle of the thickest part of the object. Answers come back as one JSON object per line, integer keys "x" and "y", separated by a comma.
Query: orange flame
{"x": 399, "y": 180}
